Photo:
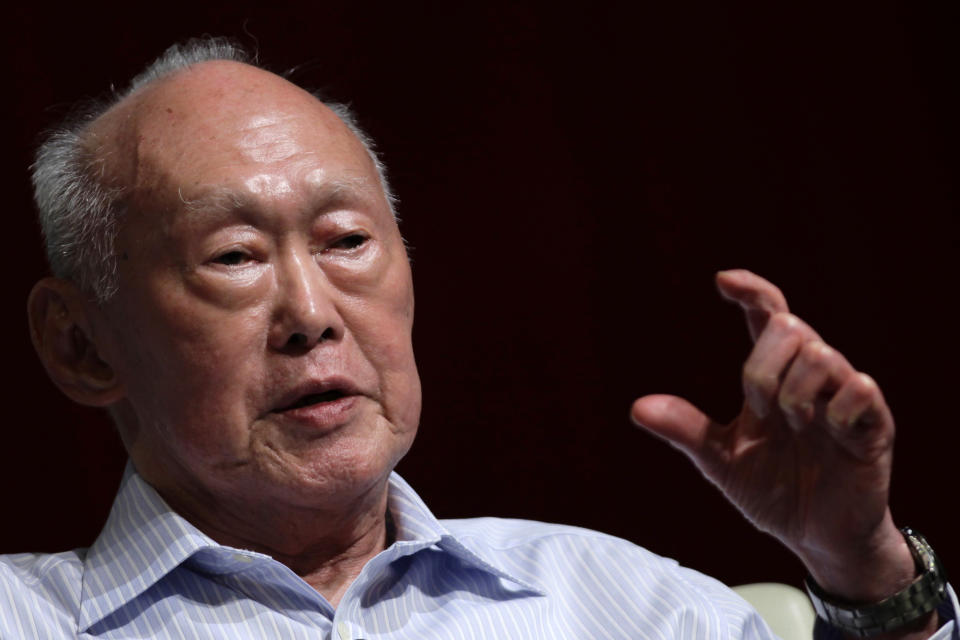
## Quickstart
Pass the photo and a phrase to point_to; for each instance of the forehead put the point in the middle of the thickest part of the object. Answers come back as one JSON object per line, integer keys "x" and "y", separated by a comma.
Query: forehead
{"x": 226, "y": 124}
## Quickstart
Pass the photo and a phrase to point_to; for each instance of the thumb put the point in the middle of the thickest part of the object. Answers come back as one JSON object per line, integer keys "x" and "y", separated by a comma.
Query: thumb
{"x": 675, "y": 420}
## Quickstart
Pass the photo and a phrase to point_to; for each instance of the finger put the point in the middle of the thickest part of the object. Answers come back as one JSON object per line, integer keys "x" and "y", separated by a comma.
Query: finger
{"x": 767, "y": 363}
{"x": 673, "y": 419}
{"x": 759, "y": 298}
{"x": 860, "y": 418}
{"x": 816, "y": 372}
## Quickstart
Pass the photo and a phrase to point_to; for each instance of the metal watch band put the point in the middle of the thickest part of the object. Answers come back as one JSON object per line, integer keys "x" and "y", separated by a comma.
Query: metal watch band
{"x": 921, "y": 597}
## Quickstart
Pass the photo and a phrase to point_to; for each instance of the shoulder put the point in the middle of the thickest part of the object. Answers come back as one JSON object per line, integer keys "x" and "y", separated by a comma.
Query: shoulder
{"x": 39, "y": 592}
{"x": 564, "y": 548}
{"x": 617, "y": 579}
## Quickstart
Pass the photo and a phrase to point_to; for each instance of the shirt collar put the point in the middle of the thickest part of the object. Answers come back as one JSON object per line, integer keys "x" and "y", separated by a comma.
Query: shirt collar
{"x": 141, "y": 542}
{"x": 144, "y": 539}
{"x": 417, "y": 528}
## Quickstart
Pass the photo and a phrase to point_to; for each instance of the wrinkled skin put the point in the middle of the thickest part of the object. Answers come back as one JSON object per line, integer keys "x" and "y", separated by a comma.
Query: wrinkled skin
{"x": 260, "y": 262}
{"x": 808, "y": 459}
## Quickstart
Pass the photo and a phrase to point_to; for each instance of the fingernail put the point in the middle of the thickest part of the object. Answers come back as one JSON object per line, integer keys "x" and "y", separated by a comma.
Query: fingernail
{"x": 835, "y": 420}
{"x": 758, "y": 403}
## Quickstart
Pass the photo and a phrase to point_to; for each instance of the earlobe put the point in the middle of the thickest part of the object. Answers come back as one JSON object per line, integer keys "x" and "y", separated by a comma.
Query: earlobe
{"x": 61, "y": 333}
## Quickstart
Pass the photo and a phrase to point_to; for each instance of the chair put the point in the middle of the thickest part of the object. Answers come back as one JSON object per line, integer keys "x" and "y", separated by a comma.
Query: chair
{"x": 785, "y": 609}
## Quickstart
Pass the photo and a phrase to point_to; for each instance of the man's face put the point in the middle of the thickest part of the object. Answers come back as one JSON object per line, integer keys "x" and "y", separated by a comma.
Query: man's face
{"x": 262, "y": 329}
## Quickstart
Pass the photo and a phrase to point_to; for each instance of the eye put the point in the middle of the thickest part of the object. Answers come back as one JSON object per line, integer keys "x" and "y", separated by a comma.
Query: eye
{"x": 231, "y": 258}
{"x": 352, "y": 241}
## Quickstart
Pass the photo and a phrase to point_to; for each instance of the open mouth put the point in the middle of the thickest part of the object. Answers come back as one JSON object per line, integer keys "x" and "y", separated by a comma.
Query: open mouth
{"x": 315, "y": 398}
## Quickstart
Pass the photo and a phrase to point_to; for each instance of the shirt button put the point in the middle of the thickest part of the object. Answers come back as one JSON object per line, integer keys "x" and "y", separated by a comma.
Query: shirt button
{"x": 343, "y": 631}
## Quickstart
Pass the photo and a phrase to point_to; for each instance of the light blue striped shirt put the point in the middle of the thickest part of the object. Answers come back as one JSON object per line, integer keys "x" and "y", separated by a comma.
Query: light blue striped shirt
{"x": 151, "y": 574}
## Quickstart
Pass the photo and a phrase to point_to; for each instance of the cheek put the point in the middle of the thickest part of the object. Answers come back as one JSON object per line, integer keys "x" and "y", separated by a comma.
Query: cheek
{"x": 400, "y": 385}
{"x": 407, "y": 415}
{"x": 188, "y": 356}
{"x": 381, "y": 321}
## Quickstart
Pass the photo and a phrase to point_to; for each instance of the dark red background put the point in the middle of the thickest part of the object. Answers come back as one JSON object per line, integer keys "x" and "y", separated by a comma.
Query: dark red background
{"x": 569, "y": 181}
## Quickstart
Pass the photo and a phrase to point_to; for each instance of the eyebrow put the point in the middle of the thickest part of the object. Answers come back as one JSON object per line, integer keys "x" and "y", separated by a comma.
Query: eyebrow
{"x": 330, "y": 194}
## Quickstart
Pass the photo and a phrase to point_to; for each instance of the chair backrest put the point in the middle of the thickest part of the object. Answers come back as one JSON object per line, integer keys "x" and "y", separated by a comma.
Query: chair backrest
{"x": 785, "y": 609}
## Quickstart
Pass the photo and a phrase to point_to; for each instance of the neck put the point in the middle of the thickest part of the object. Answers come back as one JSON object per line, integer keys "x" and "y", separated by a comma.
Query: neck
{"x": 332, "y": 569}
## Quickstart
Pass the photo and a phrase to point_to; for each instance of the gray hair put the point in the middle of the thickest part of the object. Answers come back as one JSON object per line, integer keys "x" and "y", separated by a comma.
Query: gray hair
{"x": 79, "y": 210}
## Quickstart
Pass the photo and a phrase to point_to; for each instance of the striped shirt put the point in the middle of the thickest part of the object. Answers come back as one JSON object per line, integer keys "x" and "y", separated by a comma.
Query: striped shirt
{"x": 151, "y": 574}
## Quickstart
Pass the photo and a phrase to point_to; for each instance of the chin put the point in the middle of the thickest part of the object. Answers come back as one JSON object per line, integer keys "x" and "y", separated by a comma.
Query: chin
{"x": 343, "y": 474}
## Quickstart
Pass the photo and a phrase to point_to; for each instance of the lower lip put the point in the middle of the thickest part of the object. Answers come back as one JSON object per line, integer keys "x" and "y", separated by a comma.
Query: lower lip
{"x": 323, "y": 415}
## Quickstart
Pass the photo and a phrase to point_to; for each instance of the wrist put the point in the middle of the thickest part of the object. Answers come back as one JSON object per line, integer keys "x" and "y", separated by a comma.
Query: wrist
{"x": 869, "y": 571}
{"x": 910, "y": 611}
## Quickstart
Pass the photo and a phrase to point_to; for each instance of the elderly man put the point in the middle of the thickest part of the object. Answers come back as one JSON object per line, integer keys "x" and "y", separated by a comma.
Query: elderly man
{"x": 230, "y": 284}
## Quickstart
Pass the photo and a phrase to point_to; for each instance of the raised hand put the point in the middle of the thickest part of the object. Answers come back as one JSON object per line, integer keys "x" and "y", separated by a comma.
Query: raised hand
{"x": 808, "y": 458}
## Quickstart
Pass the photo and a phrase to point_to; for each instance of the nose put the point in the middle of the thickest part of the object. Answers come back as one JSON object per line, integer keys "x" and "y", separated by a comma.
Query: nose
{"x": 305, "y": 309}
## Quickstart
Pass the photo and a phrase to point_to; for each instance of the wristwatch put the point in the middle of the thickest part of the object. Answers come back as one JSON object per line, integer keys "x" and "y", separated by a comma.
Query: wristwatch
{"x": 921, "y": 597}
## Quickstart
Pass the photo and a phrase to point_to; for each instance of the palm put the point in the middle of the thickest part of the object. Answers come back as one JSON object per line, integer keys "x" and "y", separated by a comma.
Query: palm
{"x": 797, "y": 486}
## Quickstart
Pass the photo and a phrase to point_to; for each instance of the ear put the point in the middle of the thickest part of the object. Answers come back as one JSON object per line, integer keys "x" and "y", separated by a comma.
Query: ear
{"x": 59, "y": 316}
